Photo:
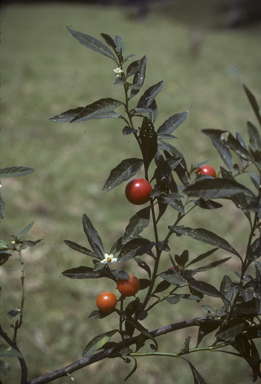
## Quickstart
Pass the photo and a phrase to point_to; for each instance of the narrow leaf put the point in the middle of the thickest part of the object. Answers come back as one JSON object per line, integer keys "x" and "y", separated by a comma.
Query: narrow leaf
{"x": 97, "y": 342}
{"x": 148, "y": 139}
{"x": 120, "y": 46}
{"x": 136, "y": 224}
{"x": 139, "y": 78}
{"x": 93, "y": 237}
{"x": 254, "y": 136}
{"x": 198, "y": 379}
{"x": 216, "y": 189}
{"x": 150, "y": 94}
{"x": 172, "y": 123}
{"x": 15, "y": 171}
{"x": 6, "y": 351}
{"x": 25, "y": 230}
{"x": 173, "y": 277}
{"x": 205, "y": 236}
{"x": 124, "y": 171}
{"x": 82, "y": 273}
{"x": 253, "y": 103}
{"x": 93, "y": 43}
{"x": 2, "y": 208}
{"x": 100, "y": 109}
{"x": 205, "y": 288}
{"x": 80, "y": 249}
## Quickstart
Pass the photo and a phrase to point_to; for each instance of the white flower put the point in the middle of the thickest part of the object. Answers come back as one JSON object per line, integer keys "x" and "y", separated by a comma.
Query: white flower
{"x": 109, "y": 259}
{"x": 118, "y": 72}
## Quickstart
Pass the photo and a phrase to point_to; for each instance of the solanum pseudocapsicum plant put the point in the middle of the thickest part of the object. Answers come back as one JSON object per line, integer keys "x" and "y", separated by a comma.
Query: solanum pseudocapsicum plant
{"x": 175, "y": 186}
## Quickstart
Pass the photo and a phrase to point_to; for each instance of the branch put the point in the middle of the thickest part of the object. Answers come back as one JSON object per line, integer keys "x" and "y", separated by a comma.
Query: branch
{"x": 85, "y": 361}
{"x": 21, "y": 359}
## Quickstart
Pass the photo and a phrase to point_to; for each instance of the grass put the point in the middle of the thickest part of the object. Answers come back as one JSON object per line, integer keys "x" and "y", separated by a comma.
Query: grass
{"x": 44, "y": 72}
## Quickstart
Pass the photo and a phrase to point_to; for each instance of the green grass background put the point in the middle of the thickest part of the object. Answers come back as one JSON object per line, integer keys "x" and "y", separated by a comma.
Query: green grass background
{"x": 45, "y": 72}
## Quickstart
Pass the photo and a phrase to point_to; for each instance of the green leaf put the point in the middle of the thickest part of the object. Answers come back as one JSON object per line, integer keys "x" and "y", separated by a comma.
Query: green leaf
{"x": 139, "y": 78}
{"x": 254, "y": 137}
{"x": 172, "y": 123}
{"x": 100, "y": 109}
{"x": 198, "y": 379}
{"x": 7, "y": 351}
{"x": 148, "y": 139}
{"x": 205, "y": 329}
{"x": 82, "y": 273}
{"x": 109, "y": 40}
{"x": 4, "y": 256}
{"x": 149, "y": 95}
{"x": 25, "y": 230}
{"x": 80, "y": 249}
{"x": 135, "y": 247}
{"x": 124, "y": 171}
{"x": 15, "y": 171}
{"x": 253, "y": 103}
{"x": 173, "y": 277}
{"x": 205, "y": 288}
{"x": 93, "y": 237}
{"x": 224, "y": 153}
{"x": 216, "y": 189}
{"x": 166, "y": 167}
{"x": 133, "y": 68}
{"x": 136, "y": 224}
{"x": 228, "y": 140}
{"x": 229, "y": 331}
{"x": 120, "y": 46}
{"x": 214, "y": 264}
{"x": 173, "y": 200}
{"x": 97, "y": 342}
{"x": 93, "y": 43}
{"x": 205, "y": 236}
{"x": 227, "y": 290}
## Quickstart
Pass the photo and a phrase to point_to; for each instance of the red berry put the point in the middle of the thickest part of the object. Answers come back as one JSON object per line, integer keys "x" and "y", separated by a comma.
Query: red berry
{"x": 106, "y": 302}
{"x": 138, "y": 191}
{"x": 206, "y": 170}
{"x": 128, "y": 287}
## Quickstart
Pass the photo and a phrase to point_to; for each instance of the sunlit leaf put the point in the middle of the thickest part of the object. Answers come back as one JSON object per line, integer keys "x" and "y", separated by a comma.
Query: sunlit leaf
{"x": 97, "y": 342}
{"x": 15, "y": 171}
{"x": 124, "y": 171}
{"x": 172, "y": 123}
{"x": 93, "y": 237}
{"x": 93, "y": 43}
{"x": 205, "y": 236}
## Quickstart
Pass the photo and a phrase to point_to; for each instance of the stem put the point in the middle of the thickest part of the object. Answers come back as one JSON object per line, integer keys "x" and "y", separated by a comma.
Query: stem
{"x": 18, "y": 324}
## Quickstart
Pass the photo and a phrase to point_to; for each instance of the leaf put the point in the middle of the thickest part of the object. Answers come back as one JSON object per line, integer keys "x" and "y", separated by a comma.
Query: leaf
{"x": 4, "y": 256}
{"x": 205, "y": 288}
{"x": 97, "y": 342}
{"x": 205, "y": 236}
{"x": 139, "y": 78}
{"x": 205, "y": 329}
{"x": 82, "y": 273}
{"x": 173, "y": 277}
{"x": 214, "y": 264}
{"x": 227, "y": 290}
{"x": 216, "y": 189}
{"x": 108, "y": 39}
{"x": 227, "y": 139}
{"x": 166, "y": 167}
{"x": 198, "y": 379}
{"x": 133, "y": 68}
{"x": 100, "y": 109}
{"x": 148, "y": 139}
{"x": 93, "y": 237}
{"x": 124, "y": 171}
{"x": 153, "y": 111}
{"x": 13, "y": 313}
{"x": 120, "y": 46}
{"x": 135, "y": 247}
{"x": 172, "y": 123}
{"x": 173, "y": 201}
{"x": 136, "y": 224}
{"x": 229, "y": 331}
{"x": 207, "y": 204}
{"x": 149, "y": 95}
{"x": 80, "y": 249}
{"x": 162, "y": 286}
{"x": 93, "y": 43}
{"x": 25, "y": 230}
{"x": 254, "y": 137}
{"x": 7, "y": 351}
{"x": 15, "y": 171}
{"x": 253, "y": 103}
{"x": 224, "y": 153}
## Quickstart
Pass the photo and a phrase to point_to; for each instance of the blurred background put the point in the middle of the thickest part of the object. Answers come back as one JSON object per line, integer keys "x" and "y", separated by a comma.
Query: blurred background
{"x": 203, "y": 50}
